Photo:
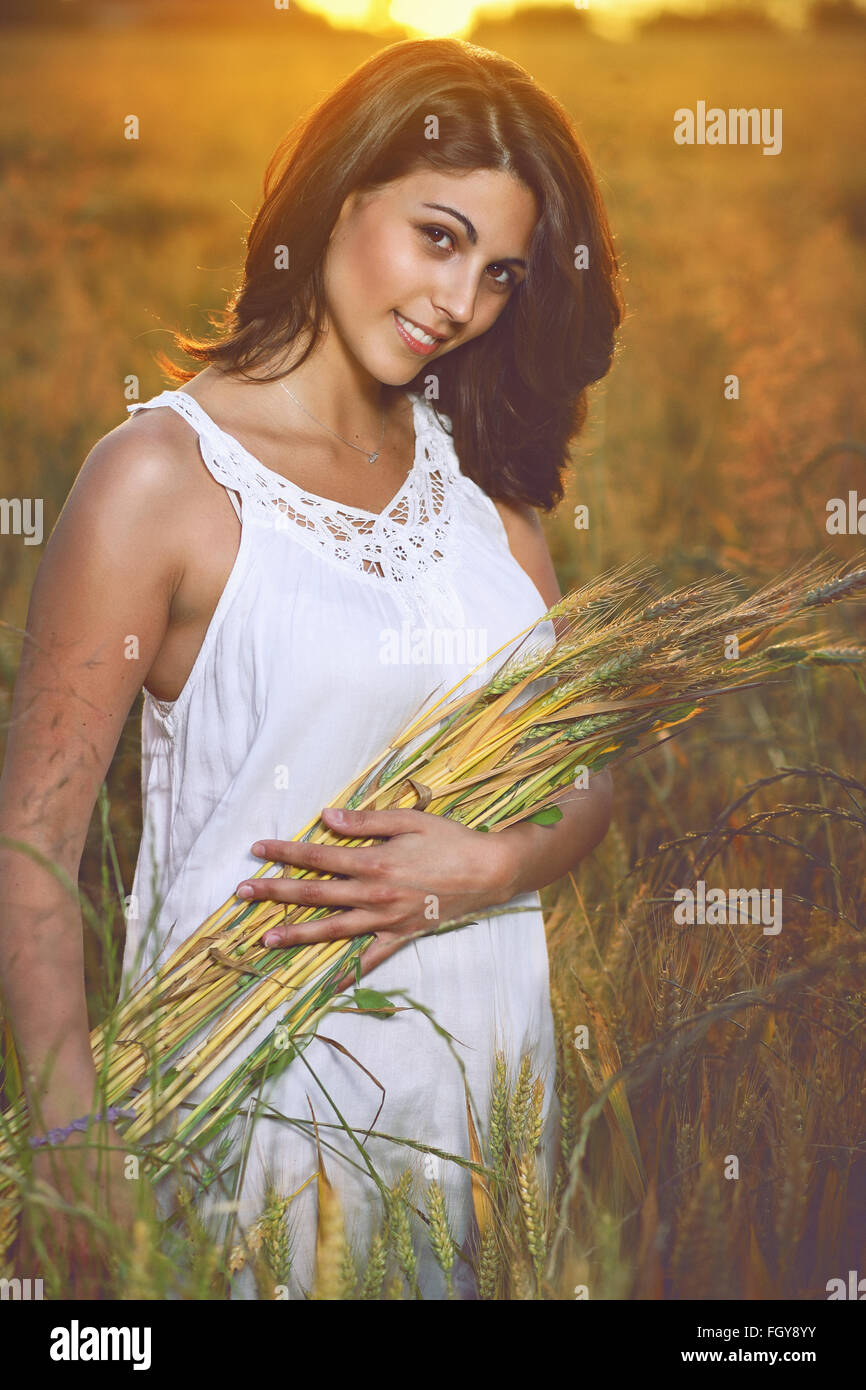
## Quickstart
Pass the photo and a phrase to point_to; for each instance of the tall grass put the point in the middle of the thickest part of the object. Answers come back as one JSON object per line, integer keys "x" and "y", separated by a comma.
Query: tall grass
{"x": 734, "y": 263}
{"x": 705, "y": 1043}
{"x": 621, "y": 672}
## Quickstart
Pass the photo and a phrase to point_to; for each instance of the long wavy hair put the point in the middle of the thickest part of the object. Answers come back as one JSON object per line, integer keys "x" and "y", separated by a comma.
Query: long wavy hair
{"x": 515, "y": 395}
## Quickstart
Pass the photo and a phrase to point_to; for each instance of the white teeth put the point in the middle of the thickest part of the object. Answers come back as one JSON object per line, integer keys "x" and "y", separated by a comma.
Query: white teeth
{"x": 416, "y": 333}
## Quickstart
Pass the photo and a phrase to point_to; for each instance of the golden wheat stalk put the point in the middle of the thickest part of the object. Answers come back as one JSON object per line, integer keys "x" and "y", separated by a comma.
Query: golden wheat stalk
{"x": 625, "y": 664}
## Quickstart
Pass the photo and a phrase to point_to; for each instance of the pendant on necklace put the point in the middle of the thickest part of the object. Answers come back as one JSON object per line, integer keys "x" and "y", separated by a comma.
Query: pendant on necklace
{"x": 373, "y": 457}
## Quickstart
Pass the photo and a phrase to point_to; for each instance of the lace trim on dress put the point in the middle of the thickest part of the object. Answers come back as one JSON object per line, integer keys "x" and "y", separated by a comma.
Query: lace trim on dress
{"x": 410, "y": 539}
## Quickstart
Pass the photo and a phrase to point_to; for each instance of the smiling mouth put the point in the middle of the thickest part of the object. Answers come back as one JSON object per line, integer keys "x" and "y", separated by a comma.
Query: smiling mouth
{"x": 419, "y": 336}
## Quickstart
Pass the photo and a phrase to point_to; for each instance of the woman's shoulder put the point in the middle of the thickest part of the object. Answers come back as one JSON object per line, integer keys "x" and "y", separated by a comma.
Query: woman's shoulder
{"x": 139, "y": 482}
{"x": 527, "y": 542}
{"x": 151, "y": 455}
{"x": 518, "y": 527}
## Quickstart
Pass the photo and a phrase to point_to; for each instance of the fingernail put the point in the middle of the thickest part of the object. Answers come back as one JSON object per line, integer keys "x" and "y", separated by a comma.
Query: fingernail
{"x": 336, "y": 815}
{"x": 245, "y": 890}
{"x": 258, "y": 848}
{"x": 271, "y": 938}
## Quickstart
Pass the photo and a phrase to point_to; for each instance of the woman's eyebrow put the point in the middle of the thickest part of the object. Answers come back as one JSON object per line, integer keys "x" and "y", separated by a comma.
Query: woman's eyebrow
{"x": 472, "y": 233}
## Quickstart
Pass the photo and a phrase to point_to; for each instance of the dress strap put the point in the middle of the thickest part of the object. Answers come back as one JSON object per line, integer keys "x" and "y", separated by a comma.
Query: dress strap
{"x": 412, "y": 544}
{"x": 217, "y": 459}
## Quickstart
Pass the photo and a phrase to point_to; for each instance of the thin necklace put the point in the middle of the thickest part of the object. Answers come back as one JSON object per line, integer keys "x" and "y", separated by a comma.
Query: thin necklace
{"x": 371, "y": 458}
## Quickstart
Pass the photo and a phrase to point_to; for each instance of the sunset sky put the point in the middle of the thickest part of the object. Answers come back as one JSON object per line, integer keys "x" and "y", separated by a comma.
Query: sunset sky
{"x": 611, "y": 17}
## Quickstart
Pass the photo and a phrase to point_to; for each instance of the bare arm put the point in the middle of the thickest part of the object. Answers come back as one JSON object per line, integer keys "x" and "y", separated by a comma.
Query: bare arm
{"x": 108, "y": 574}
{"x": 536, "y": 855}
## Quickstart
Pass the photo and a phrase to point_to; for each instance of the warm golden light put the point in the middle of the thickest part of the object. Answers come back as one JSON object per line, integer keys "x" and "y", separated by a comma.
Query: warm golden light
{"x": 437, "y": 20}
{"x": 423, "y": 17}
{"x": 614, "y": 19}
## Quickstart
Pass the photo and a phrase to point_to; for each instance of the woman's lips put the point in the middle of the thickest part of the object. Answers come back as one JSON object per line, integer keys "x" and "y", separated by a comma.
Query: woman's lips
{"x": 422, "y": 349}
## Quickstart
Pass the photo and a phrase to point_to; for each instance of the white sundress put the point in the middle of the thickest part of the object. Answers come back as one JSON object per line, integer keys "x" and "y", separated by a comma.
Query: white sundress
{"x": 335, "y": 627}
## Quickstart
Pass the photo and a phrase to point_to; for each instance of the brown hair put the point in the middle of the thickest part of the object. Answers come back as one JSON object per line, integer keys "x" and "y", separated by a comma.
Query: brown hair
{"x": 516, "y": 394}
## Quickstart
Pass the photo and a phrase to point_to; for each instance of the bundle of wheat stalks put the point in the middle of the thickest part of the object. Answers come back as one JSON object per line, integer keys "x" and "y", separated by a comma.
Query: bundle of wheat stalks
{"x": 625, "y": 664}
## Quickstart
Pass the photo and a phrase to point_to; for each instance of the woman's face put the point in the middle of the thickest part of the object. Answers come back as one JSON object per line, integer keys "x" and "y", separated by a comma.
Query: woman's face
{"x": 397, "y": 266}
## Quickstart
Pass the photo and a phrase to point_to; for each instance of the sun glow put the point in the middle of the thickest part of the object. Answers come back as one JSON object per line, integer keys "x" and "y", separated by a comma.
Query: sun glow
{"x": 443, "y": 18}
{"x": 614, "y": 19}
{"x": 456, "y": 17}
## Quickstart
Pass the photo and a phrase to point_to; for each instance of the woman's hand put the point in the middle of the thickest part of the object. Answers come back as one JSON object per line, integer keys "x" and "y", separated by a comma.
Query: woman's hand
{"x": 429, "y": 870}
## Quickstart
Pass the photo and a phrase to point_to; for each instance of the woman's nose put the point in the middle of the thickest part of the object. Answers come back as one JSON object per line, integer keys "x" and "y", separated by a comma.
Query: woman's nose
{"x": 456, "y": 298}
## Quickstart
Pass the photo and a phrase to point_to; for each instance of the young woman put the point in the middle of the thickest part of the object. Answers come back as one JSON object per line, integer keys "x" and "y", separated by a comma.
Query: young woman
{"x": 429, "y": 289}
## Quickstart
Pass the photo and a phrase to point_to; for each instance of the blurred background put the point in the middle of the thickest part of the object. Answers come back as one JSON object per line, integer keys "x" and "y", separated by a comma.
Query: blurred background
{"x": 734, "y": 262}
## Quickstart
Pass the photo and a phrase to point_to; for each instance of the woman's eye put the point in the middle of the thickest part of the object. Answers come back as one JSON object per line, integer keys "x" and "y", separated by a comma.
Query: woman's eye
{"x": 510, "y": 281}
{"x": 429, "y": 233}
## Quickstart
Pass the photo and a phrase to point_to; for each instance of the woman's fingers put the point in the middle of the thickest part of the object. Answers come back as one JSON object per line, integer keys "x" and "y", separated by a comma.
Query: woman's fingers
{"x": 324, "y": 858}
{"x": 309, "y": 892}
{"x": 333, "y": 928}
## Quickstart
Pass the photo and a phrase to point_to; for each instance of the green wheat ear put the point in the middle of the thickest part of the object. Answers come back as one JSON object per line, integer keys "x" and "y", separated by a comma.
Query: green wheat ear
{"x": 439, "y": 1233}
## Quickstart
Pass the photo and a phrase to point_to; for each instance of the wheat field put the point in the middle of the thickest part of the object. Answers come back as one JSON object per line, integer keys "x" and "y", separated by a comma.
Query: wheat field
{"x": 706, "y": 1042}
